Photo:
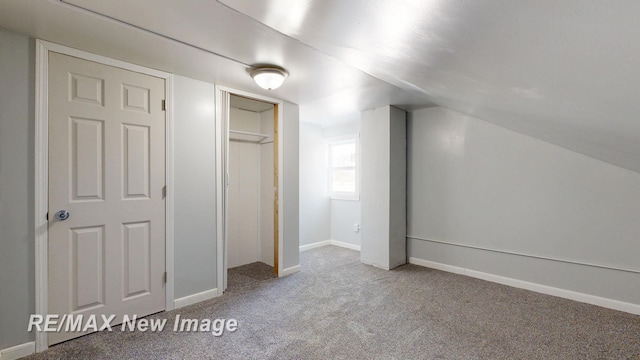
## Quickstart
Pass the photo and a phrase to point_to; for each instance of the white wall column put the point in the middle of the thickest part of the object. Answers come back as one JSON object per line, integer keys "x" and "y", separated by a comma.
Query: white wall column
{"x": 383, "y": 147}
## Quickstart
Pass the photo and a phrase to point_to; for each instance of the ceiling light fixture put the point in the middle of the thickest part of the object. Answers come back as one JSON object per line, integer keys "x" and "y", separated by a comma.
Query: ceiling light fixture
{"x": 269, "y": 77}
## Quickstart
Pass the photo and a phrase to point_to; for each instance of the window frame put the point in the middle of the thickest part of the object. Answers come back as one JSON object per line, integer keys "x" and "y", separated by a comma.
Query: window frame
{"x": 341, "y": 140}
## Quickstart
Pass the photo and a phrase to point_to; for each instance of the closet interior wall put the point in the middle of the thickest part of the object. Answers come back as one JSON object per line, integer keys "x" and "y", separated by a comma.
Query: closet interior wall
{"x": 251, "y": 188}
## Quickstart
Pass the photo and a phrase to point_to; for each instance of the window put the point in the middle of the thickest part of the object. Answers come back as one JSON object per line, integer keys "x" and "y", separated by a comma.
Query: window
{"x": 343, "y": 168}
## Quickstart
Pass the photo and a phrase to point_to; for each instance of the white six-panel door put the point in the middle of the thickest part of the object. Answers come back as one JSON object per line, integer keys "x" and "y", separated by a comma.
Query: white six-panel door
{"x": 106, "y": 168}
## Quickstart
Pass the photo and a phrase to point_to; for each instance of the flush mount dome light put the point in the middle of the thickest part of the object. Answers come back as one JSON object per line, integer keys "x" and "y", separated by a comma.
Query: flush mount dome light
{"x": 269, "y": 77}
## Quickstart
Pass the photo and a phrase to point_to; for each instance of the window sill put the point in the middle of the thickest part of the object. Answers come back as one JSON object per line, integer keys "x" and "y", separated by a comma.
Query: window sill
{"x": 345, "y": 197}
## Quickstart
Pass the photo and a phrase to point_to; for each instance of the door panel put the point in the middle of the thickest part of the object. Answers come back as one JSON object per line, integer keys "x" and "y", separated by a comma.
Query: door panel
{"x": 87, "y": 151}
{"x": 136, "y": 161}
{"x": 106, "y": 168}
{"x": 87, "y": 268}
{"x": 86, "y": 89}
{"x": 136, "y": 263}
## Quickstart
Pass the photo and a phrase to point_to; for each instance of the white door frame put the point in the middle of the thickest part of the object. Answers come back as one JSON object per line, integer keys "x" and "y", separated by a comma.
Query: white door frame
{"x": 42, "y": 170}
{"x": 222, "y": 132}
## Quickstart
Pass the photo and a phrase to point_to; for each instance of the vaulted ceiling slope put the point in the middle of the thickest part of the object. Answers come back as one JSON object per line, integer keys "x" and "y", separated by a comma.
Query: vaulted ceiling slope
{"x": 563, "y": 71}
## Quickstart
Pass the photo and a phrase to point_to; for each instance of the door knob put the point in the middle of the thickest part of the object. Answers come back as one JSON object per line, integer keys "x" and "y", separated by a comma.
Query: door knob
{"x": 62, "y": 215}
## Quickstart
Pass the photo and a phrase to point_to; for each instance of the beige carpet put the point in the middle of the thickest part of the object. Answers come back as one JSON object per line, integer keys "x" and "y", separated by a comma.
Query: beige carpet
{"x": 337, "y": 308}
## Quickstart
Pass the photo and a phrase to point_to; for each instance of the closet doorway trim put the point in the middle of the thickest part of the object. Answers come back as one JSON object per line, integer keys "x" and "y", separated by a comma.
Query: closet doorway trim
{"x": 222, "y": 99}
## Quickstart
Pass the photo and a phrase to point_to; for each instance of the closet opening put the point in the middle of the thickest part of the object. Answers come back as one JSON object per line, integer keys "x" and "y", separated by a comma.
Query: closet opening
{"x": 252, "y": 183}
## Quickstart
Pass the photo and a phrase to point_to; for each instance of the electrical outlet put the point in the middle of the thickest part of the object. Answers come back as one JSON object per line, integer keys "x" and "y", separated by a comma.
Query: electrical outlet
{"x": 356, "y": 227}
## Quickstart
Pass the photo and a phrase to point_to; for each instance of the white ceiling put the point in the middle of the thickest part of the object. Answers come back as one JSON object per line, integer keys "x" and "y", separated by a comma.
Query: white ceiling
{"x": 563, "y": 71}
{"x": 205, "y": 40}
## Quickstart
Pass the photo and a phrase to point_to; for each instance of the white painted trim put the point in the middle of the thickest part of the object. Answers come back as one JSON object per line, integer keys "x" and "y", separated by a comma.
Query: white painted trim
{"x": 315, "y": 245}
{"x": 102, "y": 59}
{"x": 41, "y": 178}
{"x": 195, "y": 298}
{"x": 221, "y": 132}
{"x": 437, "y": 266}
{"x": 290, "y": 270}
{"x": 337, "y": 140}
{"x": 345, "y": 245}
{"x": 543, "y": 289}
{"x": 249, "y": 95}
{"x": 259, "y": 197}
{"x": 220, "y": 184}
{"x": 18, "y": 351}
{"x": 170, "y": 195}
{"x": 281, "y": 188}
{"x": 41, "y": 171}
{"x": 344, "y": 197}
{"x": 329, "y": 242}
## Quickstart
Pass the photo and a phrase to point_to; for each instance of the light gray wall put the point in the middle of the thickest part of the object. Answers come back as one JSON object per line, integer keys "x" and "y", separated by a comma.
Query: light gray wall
{"x": 398, "y": 187}
{"x": 243, "y": 212}
{"x": 344, "y": 214}
{"x": 315, "y": 206}
{"x": 374, "y": 186}
{"x": 348, "y": 128}
{"x": 195, "y": 215}
{"x": 383, "y": 145}
{"x": 17, "y": 253}
{"x": 291, "y": 147}
{"x": 195, "y": 185}
{"x": 322, "y": 218}
{"x": 476, "y": 185}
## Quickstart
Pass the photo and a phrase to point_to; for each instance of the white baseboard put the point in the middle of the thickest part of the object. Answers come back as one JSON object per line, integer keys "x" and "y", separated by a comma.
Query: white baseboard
{"x": 521, "y": 284}
{"x": 345, "y": 245}
{"x": 315, "y": 245}
{"x": 437, "y": 266}
{"x": 329, "y": 242}
{"x": 289, "y": 271}
{"x": 18, "y": 351}
{"x": 195, "y": 298}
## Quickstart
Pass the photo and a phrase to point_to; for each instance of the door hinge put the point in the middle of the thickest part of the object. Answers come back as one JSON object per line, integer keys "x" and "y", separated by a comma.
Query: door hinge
{"x": 47, "y": 216}
{"x": 164, "y": 104}
{"x": 164, "y": 278}
{"x": 164, "y": 192}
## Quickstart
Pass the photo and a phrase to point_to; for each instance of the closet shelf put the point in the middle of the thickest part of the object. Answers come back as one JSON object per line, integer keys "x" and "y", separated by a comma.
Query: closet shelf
{"x": 262, "y": 138}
